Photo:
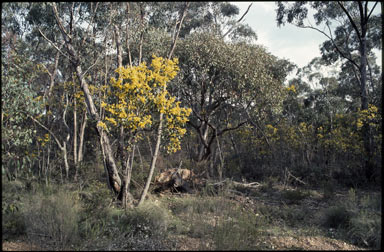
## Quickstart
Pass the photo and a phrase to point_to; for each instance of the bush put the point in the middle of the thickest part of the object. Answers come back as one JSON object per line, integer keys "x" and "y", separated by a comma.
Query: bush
{"x": 12, "y": 220}
{"x": 54, "y": 216}
{"x": 365, "y": 226}
{"x": 146, "y": 220}
{"x": 237, "y": 231}
{"x": 294, "y": 196}
{"x": 365, "y": 230}
{"x": 337, "y": 217}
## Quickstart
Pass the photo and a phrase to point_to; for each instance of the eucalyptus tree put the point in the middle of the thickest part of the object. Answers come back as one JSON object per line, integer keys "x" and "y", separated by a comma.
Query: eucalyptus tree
{"x": 22, "y": 84}
{"x": 352, "y": 30}
{"x": 224, "y": 83}
{"x": 17, "y": 102}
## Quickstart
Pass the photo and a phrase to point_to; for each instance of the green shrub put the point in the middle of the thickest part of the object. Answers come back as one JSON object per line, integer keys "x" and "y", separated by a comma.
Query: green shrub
{"x": 336, "y": 217}
{"x": 146, "y": 220}
{"x": 237, "y": 231}
{"x": 294, "y": 196}
{"x": 54, "y": 217}
{"x": 365, "y": 230}
{"x": 365, "y": 226}
{"x": 96, "y": 195}
{"x": 12, "y": 220}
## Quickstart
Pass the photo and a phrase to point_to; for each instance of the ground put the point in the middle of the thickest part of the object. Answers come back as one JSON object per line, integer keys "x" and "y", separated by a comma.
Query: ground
{"x": 282, "y": 231}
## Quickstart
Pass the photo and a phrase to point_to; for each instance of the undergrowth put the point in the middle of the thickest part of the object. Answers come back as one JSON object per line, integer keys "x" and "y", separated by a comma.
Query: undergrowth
{"x": 89, "y": 218}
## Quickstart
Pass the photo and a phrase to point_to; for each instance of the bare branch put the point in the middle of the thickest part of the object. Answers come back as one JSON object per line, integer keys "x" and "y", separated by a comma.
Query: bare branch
{"x": 369, "y": 15}
{"x": 53, "y": 44}
{"x": 58, "y": 20}
{"x": 49, "y": 131}
{"x": 350, "y": 20}
{"x": 238, "y": 21}
{"x": 333, "y": 42}
{"x": 178, "y": 30}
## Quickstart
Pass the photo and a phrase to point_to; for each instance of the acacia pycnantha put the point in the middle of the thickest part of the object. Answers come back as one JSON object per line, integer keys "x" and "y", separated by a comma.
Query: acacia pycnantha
{"x": 140, "y": 91}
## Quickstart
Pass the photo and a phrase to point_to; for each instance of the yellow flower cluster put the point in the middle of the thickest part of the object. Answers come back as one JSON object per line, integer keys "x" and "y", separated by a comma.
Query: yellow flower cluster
{"x": 44, "y": 140}
{"x": 291, "y": 88}
{"x": 369, "y": 115}
{"x": 140, "y": 91}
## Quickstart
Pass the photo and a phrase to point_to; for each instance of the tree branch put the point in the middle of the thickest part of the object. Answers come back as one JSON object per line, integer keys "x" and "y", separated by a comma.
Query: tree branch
{"x": 369, "y": 15}
{"x": 54, "y": 45}
{"x": 333, "y": 42}
{"x": 66, "y": 35}
{"x": 238, "y": 21}
{"x": 178, "y": 30}
{"x": 49, "y": 131}
{"x": 350, "y": 20}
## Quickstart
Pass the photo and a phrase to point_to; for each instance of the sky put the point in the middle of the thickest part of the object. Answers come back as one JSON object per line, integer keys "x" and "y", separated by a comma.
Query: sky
{"x": 290, "y": 42}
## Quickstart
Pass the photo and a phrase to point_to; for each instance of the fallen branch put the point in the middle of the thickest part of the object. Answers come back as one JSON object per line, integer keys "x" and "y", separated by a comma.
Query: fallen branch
{"x": 289, "y": 174}
{"x": 246, "y": 185}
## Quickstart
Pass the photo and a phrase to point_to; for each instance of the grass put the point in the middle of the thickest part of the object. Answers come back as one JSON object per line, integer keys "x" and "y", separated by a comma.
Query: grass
{"x": 214, "y": 219}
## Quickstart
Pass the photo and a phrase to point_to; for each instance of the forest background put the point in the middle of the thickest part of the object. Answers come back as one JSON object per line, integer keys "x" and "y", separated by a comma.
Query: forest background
{"x": 105, "y": 96}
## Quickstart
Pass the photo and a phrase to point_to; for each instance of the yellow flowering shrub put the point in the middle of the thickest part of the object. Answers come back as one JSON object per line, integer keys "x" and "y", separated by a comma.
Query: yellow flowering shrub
{"x": 140, "y": 91}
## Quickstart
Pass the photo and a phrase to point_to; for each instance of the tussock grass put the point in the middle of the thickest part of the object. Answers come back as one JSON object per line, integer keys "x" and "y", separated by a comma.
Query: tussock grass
{"x": 53, "y": 216}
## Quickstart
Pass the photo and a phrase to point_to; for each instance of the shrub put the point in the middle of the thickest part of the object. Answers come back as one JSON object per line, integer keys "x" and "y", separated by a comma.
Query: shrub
{"x": 54, "y": 216}
{"x": 294, "y": 196}
{"x": 365, "y": 230}
{"x": 336, "y": 217}
{"x": 365, "y": 226}
{"x": 237, "y": 231}
{"x": 12, "y": 220}
{"x": 146, "y": 220}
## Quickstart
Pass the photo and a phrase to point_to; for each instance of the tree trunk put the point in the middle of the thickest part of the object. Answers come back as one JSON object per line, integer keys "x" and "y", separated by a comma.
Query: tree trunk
{"x": 109, "y": 163}
{"x": 153, "y": 161}
{"x": 75, "y": 157}
{"x": 364, "y": 106}
{"x": 81, "y": 136}
{"x": 126, "y": 196}
{"x": 203, "y": 149}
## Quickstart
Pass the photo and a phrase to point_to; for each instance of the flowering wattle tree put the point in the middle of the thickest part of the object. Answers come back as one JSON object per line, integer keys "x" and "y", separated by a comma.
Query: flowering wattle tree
{"x": 136, "y": 96}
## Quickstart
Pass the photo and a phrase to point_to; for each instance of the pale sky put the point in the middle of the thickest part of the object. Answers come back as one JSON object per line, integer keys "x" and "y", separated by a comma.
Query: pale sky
{"x": 290, "y": 42}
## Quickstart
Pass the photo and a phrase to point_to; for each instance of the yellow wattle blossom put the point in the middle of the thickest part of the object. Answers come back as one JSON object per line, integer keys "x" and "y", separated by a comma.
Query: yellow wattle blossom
{"x": 140, "y": 91}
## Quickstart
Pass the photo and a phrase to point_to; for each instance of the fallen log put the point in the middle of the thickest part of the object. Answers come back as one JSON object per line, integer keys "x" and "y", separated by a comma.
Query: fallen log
{"x": 175, "y": 180}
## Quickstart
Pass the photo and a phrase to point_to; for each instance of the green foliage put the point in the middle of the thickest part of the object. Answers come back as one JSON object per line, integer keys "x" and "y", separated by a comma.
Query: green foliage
{"x": 295, "y": 196}
{"x": 146, "y": 220}
{"x": 12, "y": 216}
{"x": 238, "y": 231}
{"x": 54, "y": 216}
{"x": 365, "y": 230}
{"x": 95, "y": 195}
{"x": 337, "y": 217}
{"x": 18, "y": 101}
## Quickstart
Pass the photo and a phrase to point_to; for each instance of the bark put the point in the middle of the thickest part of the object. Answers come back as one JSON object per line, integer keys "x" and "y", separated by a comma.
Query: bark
{"x": 75, "y": 157}
{"x": 66, "y": 141}
{"x": 204, "y": 148}
{"x": 109, "y": 163}
{"x": 126, "y": 196}
{"x": 153, "y": 161}
{"x": 127, "y": 36}
{"x": 81, "y": 136}
{"x": 364, "y": 103}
